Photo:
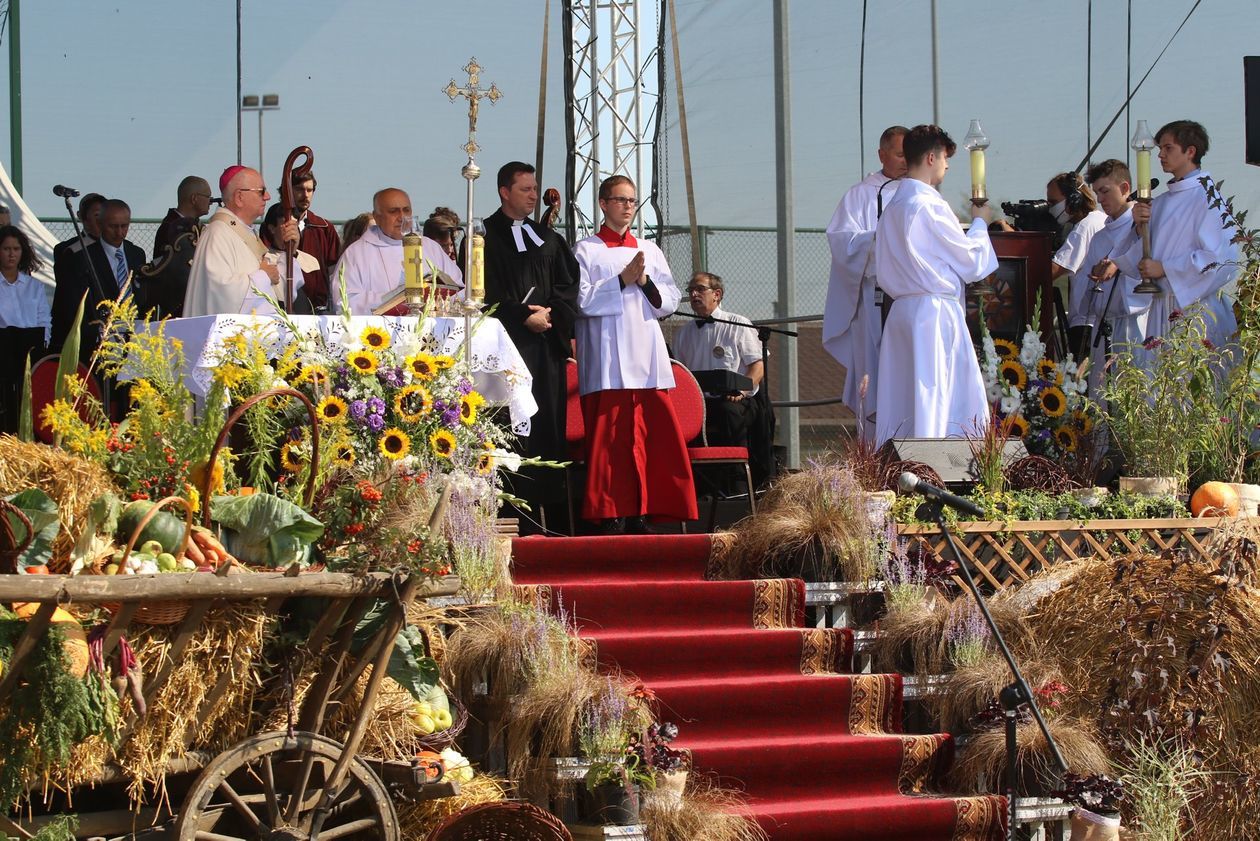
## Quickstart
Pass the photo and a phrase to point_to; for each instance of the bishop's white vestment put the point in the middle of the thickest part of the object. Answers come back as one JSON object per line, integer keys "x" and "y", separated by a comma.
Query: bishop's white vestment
{"x": 225, "y": 267}
{"x": 1198, "y": 256}
{"x": 373, "y": 266}
{"x": 851, "y": 320}
{"x": 931, "y": 385}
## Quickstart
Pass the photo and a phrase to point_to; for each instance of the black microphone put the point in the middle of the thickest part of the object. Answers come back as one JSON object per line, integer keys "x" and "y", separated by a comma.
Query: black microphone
{"x": 65, "y": 192}
{"x": 216, "y": 200}
{"x": 908, "y": 483}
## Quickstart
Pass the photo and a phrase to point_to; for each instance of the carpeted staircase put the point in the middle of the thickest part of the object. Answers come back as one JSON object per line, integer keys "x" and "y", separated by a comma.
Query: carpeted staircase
{"x": 763, "y": 702}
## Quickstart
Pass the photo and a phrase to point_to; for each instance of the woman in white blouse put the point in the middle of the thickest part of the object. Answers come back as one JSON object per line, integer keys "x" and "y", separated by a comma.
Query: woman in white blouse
{"x": 25, "y": 319}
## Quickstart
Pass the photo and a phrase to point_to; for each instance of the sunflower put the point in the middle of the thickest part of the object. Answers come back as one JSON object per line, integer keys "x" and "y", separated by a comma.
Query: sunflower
{"x": 395, "y": 443}
{"x": 363, "y": 361}
{"x": 468, "y": 405}
{"x": 1013, "y": 373}
{"x": 343, "y": 455}
{"x": 292, "y": 456}
{"x": 1053, "y": 401}
{"x": 313, "y": 374}
{"x": 485, "y": 464}
{"x": 443, "y": 443}
{"x": 332, "y": 409}
{"x": 1065, "y": 437}
{"x": 1005, "y": 349}
{"x": 444, "y": 361}
{"x": 374, "y": 338}
{"x": 1019, "y": 426}
{"x": 422, "y": 366}
{"x": 412, "y": 403}
{"x": 1049, "y": 372}
{"x": 1083, "y": 421}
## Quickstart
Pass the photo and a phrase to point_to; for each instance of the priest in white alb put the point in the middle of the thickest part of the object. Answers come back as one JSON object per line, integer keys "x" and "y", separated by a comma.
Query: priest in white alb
{"x": 1193, "y": 255}
{"x": 851, "y": 319}
{"x": 931, "y": 385}
{"x": 231, "y": 264}
{"x": 372, "y": 266}
{"x": 637, "y": 464}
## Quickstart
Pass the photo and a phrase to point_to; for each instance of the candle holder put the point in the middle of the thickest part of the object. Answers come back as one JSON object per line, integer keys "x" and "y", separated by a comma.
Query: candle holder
{"x": 976, "y": 142}
{"x": 1142, "y": 143}
{"x": 413, "y": 273}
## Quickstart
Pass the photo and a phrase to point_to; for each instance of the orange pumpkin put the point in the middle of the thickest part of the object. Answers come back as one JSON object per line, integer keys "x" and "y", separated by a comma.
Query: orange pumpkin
{"x": 431, "y": 765}
{"x": 37, "y": 570}
{"x": 1214, "y": 499}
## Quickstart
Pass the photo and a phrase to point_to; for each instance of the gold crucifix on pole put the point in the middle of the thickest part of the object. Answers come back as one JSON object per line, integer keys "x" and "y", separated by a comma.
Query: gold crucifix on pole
{"x": 474, "y": 93}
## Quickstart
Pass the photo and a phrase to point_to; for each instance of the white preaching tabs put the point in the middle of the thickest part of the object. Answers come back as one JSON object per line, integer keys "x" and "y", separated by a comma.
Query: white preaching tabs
{"x": 519, "y": 225}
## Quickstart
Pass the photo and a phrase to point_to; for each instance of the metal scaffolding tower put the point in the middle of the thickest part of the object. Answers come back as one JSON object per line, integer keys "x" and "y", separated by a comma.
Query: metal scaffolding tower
{"x": 606, "y": 122}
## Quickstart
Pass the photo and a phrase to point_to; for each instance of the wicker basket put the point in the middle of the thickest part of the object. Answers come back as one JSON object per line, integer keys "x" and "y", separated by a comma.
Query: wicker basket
{"x": 159, "y": 613}
{"x": 503, "y": 821}
{"x": 10, "y": 547}
{"x": 443, "y": 739}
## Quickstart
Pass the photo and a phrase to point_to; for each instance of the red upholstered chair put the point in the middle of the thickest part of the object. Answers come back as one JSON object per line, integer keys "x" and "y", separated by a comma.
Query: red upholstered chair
{"x": 575, "y": 435}
{"x": 44, "y": 387}
{"x": 688, "y": 402}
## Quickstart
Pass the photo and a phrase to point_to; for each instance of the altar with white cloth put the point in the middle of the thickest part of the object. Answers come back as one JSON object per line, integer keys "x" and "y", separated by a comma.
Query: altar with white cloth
{"x": 498, "y": 371}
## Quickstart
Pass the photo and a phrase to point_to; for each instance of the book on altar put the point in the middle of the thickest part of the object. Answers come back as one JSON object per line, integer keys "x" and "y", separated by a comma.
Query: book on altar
{"x": 395, "y": 302}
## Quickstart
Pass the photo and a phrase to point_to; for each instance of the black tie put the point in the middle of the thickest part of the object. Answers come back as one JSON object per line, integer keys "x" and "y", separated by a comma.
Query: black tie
{"x": 700, "y": 322}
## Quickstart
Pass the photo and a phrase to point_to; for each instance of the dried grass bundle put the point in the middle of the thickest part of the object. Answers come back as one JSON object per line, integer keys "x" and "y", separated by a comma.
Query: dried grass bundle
{"x": 542, "y": 719}
{"x": 390, "y": 732}
{"x": 226, "y": 645}
{"x": 968, "y": 690}
{"x": 417, "y": 820}
{"x": 914, "y": 639}
{"x": 812, "y": 524}
{"x": 706, "y": 813}
{"x": 70, "y": 481}
{"x": 981, "y": 765}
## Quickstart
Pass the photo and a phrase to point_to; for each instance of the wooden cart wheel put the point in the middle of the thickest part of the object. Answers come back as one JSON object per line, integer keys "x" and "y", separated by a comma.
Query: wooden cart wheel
{"x": 267, "y": 788}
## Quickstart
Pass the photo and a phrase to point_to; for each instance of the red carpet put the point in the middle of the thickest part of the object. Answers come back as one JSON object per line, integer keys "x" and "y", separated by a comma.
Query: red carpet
{"x": 762, "y": 702}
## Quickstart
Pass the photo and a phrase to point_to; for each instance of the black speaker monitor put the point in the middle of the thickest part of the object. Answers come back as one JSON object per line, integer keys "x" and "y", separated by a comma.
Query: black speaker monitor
{"x": 1251, "y": 100}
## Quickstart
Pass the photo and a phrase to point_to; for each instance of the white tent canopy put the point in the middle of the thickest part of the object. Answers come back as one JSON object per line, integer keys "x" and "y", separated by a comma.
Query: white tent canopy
{"x": 23, "y": 217}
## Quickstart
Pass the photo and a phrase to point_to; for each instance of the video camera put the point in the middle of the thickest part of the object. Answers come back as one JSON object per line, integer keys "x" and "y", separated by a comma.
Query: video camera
{"x": 1031, "y": 215}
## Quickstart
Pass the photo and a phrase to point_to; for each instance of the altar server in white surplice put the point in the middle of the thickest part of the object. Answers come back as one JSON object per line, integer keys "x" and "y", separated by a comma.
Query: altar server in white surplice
{"x": 372, "y": 266}
{"x": 1193, "y": 256}
{"x": 931, "y": 385}
{"x": 851, "y": 320}
{"x": 1120, "y": 307}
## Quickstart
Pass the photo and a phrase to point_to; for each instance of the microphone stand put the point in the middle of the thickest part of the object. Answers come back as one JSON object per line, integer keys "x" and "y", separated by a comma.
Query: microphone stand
{"x": 96, "y": 287}
{"x": 763, "y": 334}
{"x": 1011, "y": 697}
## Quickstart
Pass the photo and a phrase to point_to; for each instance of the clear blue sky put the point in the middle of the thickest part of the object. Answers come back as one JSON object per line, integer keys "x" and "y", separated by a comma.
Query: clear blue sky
{"x": 127, "y": 97}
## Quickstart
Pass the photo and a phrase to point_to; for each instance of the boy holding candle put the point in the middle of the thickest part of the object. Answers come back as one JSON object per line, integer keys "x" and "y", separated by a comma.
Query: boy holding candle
{"x": 1192, "y": 255}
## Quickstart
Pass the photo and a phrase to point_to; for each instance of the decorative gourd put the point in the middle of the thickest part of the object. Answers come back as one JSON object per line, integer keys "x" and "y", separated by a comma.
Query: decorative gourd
{"x": 166, "y": 529}
{"x": 1214, "y": 499}
{"x": 76, "y": 639}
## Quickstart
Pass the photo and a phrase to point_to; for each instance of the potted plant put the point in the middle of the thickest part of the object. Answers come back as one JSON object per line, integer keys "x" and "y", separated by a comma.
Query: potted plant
{"x": 1097, "y": 799}
{"x": 616, "y": 774}
{"x": 667, "y": 765}
{"x": 1162, "y": 399}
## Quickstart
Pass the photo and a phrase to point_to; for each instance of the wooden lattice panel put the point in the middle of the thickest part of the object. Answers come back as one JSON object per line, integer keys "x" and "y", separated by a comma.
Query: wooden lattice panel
{"x": 1005, "y": 553}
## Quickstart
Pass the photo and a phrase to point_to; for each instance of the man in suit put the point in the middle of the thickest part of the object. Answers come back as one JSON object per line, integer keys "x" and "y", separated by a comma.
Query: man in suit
{"x": 113, "y": 257}
{"x": 67, "y": 253}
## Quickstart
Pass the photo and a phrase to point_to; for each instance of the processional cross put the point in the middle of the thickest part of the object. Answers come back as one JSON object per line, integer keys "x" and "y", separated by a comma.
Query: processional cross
{"x": 474, "y": 93}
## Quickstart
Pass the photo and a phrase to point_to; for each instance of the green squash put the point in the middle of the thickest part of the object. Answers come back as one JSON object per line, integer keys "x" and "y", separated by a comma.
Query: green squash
{"x": 166, "y": 529}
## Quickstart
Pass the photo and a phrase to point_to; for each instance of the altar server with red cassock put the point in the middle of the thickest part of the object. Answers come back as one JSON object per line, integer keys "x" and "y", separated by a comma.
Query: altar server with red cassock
{"x": 637, "y": 465}
{"x": 930, "y": 384}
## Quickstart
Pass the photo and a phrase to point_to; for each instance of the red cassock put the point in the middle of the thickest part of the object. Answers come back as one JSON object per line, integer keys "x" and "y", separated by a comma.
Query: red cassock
{"x": 636, "y": 458}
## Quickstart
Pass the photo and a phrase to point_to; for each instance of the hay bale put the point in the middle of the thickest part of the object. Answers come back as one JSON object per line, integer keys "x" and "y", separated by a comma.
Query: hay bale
{"x": 70, "y": 481}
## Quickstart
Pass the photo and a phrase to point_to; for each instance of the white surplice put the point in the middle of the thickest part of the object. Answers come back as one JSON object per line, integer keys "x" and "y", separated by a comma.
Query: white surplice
{"x": 619, "y": 342}
{"x": 1071, "y": 256}
{"x": 851, "y": 321}
{"x": 931, "y": 385}
{"x": 373, "y": 267}
{"x": 225, "y": 267}
{"x": 1198, "y": 256}
{"x": 1125, "y": 309}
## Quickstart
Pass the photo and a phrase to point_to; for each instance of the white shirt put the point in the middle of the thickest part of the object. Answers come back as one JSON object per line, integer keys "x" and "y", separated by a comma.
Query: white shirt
{"x": 1197, "y": 253}
{"x": 851, "y": 321}
{"x": 24, "y": 303}
{"x": 1125, "y": 309}
{"x": 714, "y": 346}
{"x": 619, "y": 342}
{"x": 1071, "y": 256}
{"x": 373, "y": 266}
{"x": 924, "y": 260}
{"x": 224, "y": 267}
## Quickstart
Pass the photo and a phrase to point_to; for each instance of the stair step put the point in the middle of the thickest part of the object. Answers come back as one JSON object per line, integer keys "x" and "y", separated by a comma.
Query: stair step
{"x": 661, "y": 655}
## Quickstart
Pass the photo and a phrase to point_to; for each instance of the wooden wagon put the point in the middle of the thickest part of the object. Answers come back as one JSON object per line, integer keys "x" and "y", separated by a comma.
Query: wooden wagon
{"x": 294, "y": 783}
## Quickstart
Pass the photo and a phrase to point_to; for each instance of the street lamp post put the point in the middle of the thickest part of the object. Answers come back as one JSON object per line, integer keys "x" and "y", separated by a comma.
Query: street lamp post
{"x": 268, "y": 102}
